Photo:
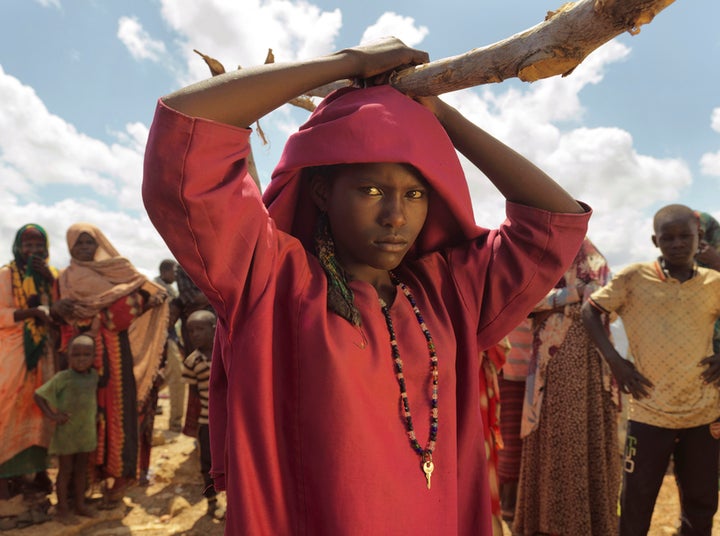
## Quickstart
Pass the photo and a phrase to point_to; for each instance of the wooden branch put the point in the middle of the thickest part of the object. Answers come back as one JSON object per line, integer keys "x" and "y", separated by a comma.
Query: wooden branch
{"x": 554, "y": 47}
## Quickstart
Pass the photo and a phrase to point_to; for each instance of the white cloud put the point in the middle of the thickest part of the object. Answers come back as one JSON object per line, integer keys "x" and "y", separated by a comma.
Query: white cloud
{"x": 710, "y": 162}
{"x": 393, "y": 25}
{"x": 44, "y": 150}
{"x": 240, "y": 33}
{"x": 96, "y": 182}
{"x": 715, "y": 120}
{"x": 49, "y": 3}
{"x": 138, "y": 41}
{"x": 597, "y": 165}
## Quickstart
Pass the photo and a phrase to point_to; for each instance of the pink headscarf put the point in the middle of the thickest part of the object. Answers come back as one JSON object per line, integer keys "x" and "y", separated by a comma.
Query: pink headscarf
{"x": 376, "y": 124}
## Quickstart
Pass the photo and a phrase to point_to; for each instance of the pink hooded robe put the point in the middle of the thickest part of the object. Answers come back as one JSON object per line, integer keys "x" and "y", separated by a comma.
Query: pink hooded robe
{"x": 305, "y": 419}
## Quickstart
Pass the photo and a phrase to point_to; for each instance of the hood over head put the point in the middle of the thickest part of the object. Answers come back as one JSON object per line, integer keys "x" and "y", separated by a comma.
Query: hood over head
{"x": 375, "y": 124}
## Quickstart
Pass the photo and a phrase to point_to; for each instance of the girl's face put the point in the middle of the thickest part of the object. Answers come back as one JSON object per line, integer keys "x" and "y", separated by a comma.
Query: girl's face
{"x": 81, "y": 354}
{"x": 84, "y": 248}
{"x": 376, "y": 212}
{"x": 32, "y": 243}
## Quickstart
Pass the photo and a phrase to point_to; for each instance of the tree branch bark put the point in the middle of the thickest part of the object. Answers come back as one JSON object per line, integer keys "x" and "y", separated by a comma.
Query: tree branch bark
{"x": 554, "y": 47}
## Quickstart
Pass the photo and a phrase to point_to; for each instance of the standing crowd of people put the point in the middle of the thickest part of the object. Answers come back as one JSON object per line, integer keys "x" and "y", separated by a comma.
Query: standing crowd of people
{"x": 362, "y": 357}
{"x": 83, "y": 353}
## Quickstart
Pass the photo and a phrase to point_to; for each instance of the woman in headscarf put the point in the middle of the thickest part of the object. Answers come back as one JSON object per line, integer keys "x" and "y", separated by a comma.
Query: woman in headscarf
{"x": 26, "y": 357}
{"x": 105, "y": 296}
{"x": 570, "y": 469}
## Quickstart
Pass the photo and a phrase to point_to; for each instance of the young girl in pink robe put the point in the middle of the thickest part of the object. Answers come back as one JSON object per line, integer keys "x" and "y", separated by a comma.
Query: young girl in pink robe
{"x": 353, "y": 301}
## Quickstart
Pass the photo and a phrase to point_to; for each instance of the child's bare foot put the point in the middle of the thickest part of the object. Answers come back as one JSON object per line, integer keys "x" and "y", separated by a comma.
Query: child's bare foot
{"x": 83, "y": 510}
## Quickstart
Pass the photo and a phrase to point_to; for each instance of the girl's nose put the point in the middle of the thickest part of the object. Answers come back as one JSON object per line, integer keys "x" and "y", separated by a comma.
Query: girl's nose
{"x": 393, "y": 214}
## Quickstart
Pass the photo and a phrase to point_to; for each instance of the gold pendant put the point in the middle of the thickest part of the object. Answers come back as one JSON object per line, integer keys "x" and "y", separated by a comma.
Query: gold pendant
{"x": 428, "y": 467}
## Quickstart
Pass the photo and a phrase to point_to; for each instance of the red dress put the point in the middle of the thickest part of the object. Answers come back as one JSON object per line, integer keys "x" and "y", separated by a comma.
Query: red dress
{"x": 305, "y": 420}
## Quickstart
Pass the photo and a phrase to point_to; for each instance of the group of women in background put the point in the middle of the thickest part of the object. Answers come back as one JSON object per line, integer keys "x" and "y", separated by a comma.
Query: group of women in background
{"x": 41, "y": 309}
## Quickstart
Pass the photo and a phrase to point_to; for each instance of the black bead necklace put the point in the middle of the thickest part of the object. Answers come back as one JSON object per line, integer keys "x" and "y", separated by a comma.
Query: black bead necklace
{"x": 426, "y": 453}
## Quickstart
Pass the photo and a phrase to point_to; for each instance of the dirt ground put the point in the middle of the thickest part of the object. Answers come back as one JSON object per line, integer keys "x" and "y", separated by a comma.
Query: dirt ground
{"x": 172, "y": 503}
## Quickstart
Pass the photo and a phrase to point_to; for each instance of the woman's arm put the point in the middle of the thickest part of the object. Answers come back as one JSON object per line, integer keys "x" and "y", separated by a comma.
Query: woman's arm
{"x": 518, "y": 179}
{"x": 243, "y": 96}
{"x": 37, "y": 313}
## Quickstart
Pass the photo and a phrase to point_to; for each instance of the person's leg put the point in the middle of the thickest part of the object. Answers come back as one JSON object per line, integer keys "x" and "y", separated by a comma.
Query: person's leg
{"x": 80, "y": 466}
{"x": 176, "y": 387}
{"x": 205, "y": 464}
{"x": 65, "y": 468}
{"x": 647, "y": 454}
{"x": 696, "y": 469}
{"x": 205, "y": 461}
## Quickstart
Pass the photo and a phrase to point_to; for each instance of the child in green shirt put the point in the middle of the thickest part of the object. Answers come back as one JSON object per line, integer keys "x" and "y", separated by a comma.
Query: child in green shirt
{"x": 70, "y": 400}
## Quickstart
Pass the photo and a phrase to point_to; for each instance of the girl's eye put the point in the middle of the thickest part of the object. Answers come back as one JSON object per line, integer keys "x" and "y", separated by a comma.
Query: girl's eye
{"x": 416, "y": 194}
{"x": 372, "y": 190}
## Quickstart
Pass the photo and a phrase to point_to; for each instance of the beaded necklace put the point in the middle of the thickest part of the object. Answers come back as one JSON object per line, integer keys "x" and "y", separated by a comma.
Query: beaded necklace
{"x": 424, "y": 453}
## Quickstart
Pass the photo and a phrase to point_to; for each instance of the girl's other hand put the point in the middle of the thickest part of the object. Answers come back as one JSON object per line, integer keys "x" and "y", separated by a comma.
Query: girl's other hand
{"x": 375, "y": 61}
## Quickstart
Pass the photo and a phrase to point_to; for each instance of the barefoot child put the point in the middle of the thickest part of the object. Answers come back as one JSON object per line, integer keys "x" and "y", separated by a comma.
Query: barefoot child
{"x": 355, "y": 297}
{"x": 196, "y": 371}
{"x": 70, "y": 399}
{"x": 668, "y": 307}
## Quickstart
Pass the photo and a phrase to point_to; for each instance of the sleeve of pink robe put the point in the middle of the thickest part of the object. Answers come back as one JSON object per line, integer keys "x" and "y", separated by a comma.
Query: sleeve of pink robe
{"x": 215, "y": 229}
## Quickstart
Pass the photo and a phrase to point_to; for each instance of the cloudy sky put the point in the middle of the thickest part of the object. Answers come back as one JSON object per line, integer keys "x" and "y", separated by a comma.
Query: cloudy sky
{"x": 635, "y": 127}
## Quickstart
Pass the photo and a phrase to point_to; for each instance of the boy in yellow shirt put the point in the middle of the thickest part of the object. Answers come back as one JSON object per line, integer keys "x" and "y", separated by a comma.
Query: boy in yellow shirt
{"x": 668, "y": 308}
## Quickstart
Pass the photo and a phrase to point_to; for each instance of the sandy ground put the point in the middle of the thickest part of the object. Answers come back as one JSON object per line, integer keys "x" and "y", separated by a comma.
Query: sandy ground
{"x": 173, "y": 504}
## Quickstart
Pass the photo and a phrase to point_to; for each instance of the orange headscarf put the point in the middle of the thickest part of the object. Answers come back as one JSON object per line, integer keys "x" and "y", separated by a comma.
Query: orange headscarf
{"x": 96, "y": 284}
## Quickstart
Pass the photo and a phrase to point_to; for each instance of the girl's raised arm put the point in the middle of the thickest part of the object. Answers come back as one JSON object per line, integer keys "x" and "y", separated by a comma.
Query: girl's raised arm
{"x": 518, "y": 179}
{"x": 241, "y": 97}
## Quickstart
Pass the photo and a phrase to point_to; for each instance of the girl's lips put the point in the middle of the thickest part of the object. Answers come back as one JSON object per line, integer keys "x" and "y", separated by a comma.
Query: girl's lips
{"x": 391, "y": 245}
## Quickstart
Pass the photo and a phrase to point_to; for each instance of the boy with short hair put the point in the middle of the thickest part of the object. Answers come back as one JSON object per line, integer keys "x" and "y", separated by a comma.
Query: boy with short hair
{"x": 196, "y": 371}
{"x": 70, "y": 400}
{"x": 668, "y": 308}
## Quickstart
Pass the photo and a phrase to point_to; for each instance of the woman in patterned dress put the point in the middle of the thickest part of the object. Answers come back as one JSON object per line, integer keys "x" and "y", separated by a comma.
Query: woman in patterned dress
{"x": 570, "y": 469}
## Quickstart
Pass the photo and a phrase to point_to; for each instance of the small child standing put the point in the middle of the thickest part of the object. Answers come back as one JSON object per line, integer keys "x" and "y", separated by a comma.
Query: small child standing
{"x": 196, "y": 371}
{"x": 668, "y": 308}
{"x": 70, "y": 400}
